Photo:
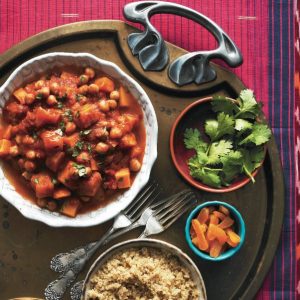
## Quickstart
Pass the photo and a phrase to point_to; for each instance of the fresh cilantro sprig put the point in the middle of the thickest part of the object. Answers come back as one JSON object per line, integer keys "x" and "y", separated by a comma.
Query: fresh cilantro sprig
{"x": 233, "y": 143}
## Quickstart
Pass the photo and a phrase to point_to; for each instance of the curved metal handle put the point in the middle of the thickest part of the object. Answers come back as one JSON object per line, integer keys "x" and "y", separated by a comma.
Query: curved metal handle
{"x": 188, "y": 68}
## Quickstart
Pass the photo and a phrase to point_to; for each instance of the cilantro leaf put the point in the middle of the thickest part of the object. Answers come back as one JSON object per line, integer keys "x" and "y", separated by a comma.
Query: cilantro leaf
{"x": 193, "y": 140}
{"x": 217, "y": 150}
{"x": 222, "y": 104}
{"x": 207, "y": 176}
{"x": 232, "y": 165}
{"x": 216, "y": 129}
{"x": 242, "y": 125}
{"x": 249, "y": 108}
{"x": 81, "y": 169}
{"x": 259, "y": 135}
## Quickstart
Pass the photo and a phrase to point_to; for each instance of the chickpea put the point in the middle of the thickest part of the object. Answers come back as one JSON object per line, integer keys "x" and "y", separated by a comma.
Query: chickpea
{"x": 115, "y": 133}
{"x": 93, "y": 88}
{"x": 39, "y": 84}
{"x": 18, "y": 139}
{"x": 112, "y": 104}
{"x": 26, "y": 175}
{"x": 14, "y": 150}
{"x": 28, "y": 140}
{"x": 29, "y": 166}
{"x": 114, "y": 95}
{"x": 89, "y": 72}
{"x": 44, "y": 92}
{"x": 83, "y": 89}
{"x": 29, "y": 99}
{"x": 103, "y": 105}
{"x": 51, "y": 205}
{"x": 70, "y": 128}
{"x": 135, "y": 165}
{"x": 54, "y": 88}
{"x": 51, "y": 100}
{"x": 30, "y": 154}
{"x": 83, "y": 157}
{"x": 41, "y": 202}
{"x": 83, "y": 79}
{"x": 101, "y": 148}
{"x": 21, "y": 162}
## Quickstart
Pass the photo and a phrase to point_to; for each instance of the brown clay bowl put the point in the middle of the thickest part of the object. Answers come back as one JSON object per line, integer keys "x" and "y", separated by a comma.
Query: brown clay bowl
{"x": 194, "y": 116}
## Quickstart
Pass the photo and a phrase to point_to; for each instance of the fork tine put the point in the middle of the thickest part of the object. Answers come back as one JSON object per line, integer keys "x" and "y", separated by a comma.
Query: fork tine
{"x": 139, "y": 197}
{"x": 167, "y": 222}
{"x": 149, "y": 199}
{"x": 169, "y": 201}
{"x": 170, "y": 204}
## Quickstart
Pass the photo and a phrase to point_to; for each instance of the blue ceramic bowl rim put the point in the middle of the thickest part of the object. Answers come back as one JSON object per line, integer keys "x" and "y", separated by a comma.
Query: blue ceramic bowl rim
{"x": 238, "y": 218}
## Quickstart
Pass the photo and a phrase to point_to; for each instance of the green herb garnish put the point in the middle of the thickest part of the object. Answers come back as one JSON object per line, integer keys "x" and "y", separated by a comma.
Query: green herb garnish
{"x": 36, "y": 180}
{"x": 81, "y": 169}
{"x": 39, "y": 96}
{"x": 68, "y": 114}
{"x": 86, "y": 132}
{"x": 62, "y": 126}
{"x": 234, "y": 142}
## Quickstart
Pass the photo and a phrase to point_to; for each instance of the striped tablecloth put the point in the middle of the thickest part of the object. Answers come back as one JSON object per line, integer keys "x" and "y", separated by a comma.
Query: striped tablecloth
{"x": 265, "y": 31}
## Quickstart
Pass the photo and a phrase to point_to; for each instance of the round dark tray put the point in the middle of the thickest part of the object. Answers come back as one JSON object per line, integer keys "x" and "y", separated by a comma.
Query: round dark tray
{"x": 27, "y": 246}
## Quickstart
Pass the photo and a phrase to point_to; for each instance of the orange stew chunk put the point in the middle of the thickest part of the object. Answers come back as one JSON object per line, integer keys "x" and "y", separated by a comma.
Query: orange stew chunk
{"x": 213, "y": 231}
{"x": 76, "y": 139}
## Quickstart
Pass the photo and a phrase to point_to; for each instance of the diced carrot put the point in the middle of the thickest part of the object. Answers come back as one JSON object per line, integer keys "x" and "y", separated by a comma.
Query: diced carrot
{"x": 7, "y": 132}
{"x": 54, "y": 161}
{"x": 46, "y": 116}
{"x": 105, "y": 84}
{"x": 52, "y": 140}
{"x": 71, "y": 207}
{"x": 232, "y": 236}
{"x": 4, "y": 147}
{"x": 125, "y": 97}
{"x": 42, "y": 185}
{"x": 94, "y": 165}
{"x": 213, "y": 219}
{"x": 214, "y": 232}
{"x": 215, "y": 248}
{"x": 90, "y": 186}
{"x": 123, "y": 178}
{"x": 71, "y": 140}
{"x": 61, "y": 192}
{"x": 128, "y": 140}
{"x": 227, "y": 222}
{"x": 224, "y": 210}
{"x": 202, "y": 242}
{"x": 87, "y": 115}
{"x": 203, "y": 215}
{"x": 220, "y": 215}
{"x": 20, "y": 94}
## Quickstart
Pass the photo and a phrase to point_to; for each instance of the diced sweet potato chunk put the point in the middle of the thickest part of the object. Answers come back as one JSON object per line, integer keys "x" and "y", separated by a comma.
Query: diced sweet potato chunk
{"x": 4, "y": 147}
{"x": 128, "y": 140}
{"x": 42, "y": 185}
{"x": 123, "y": 178}
{"x": 20, "y": 94}
{"x": 61, "y": 192}
{"x": 46, "y": 116}
{"x": 52, "y": 140}
{"x": 105, "y": 84}
{"x": 8, "y": 132}
{"x": 87, "y": 115}
{"x": 90, "y": 186}
{"x": 68, "y": 175}
{"x": 71, "y": 207}
{"x": 71, "y": 140}
{"x": 55, "y": 161}
{"x": 125, "y": 97}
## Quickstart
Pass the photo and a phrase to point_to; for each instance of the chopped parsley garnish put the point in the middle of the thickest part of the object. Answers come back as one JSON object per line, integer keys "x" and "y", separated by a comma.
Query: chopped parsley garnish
{"x": 36, "y": 180}
{"x": 54, "y": 181}
{"x": 234, "y": 142}
{"x": 62, "y": 97}
{"x": 62, "y": 126}
{"x": 39, "y": 96}
{"x": 86, "y": 132}
{"x": 81, "y": 169}
{"x": 78, "y": 97}
{"x": 68, "y": 114}
{"x": 75, "y": 151}
{"x": 89, "y": 147}
{"x": 60, "y": 105}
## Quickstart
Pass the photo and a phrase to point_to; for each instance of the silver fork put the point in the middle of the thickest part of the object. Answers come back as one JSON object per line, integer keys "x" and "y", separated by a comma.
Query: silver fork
{"x": 73, "y": 262}
{"x": 164, "y": 214}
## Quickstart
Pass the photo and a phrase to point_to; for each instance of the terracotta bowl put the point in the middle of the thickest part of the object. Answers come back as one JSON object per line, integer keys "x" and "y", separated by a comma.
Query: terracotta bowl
{"x": 194, "y": 116}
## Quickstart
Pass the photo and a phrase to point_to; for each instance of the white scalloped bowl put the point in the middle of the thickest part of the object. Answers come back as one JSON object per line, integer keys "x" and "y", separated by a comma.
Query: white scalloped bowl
{"x": 40, "y": 65}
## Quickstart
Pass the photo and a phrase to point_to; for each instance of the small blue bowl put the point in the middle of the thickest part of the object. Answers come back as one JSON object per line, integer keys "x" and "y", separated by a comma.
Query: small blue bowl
{"x": 239, "y": 223}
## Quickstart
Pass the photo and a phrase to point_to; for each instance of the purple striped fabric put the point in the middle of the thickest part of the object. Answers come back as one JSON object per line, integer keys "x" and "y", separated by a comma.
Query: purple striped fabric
{"x": 265, "y": 32}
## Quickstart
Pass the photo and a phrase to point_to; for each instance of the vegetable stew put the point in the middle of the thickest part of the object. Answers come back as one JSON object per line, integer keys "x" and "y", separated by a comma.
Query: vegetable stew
{"x": 77, "y": 139}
